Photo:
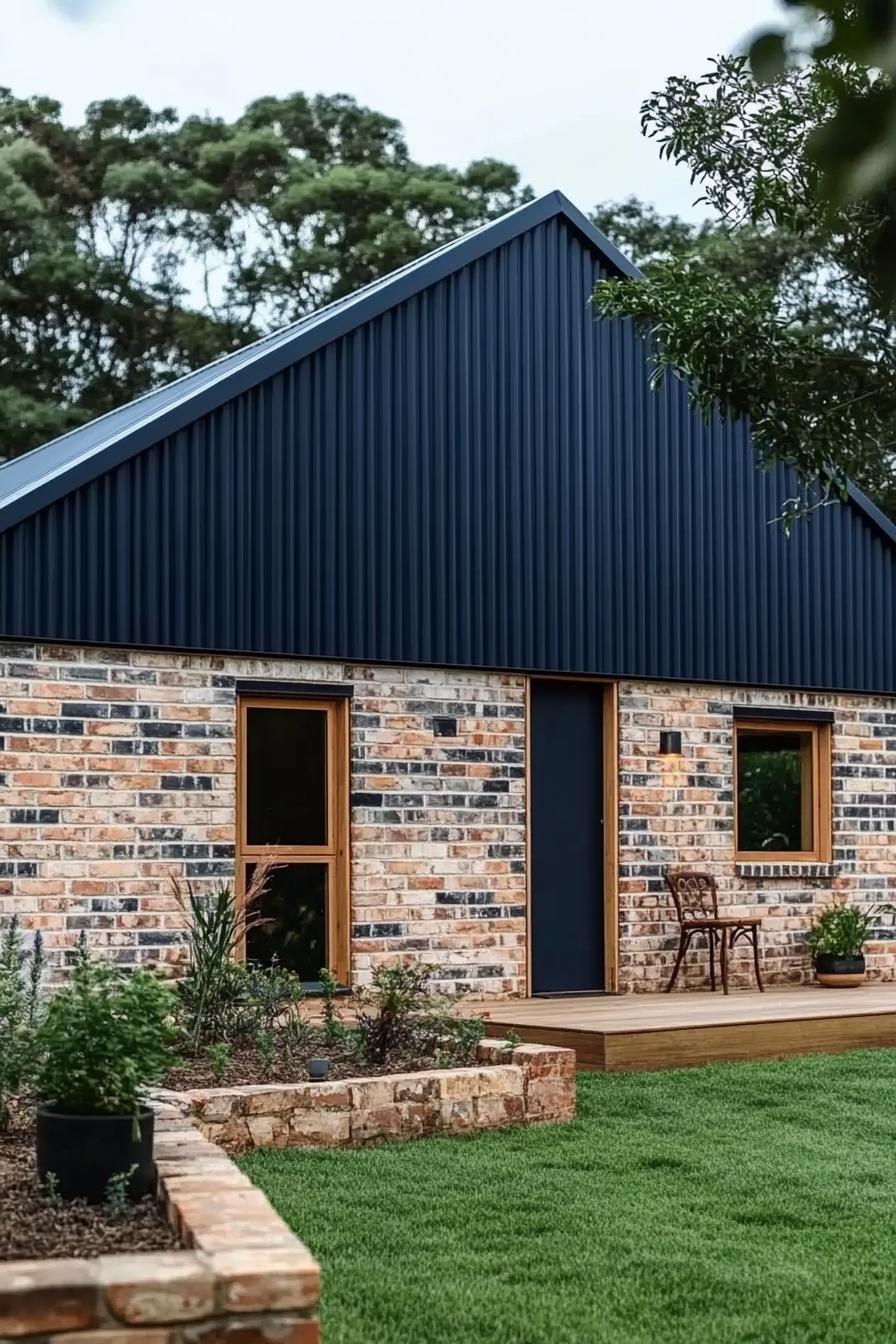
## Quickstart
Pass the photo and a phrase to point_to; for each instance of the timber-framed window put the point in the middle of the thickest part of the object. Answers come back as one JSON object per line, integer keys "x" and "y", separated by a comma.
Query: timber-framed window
{"x": 292, "y": 808}
{"x": 782, "y": 790}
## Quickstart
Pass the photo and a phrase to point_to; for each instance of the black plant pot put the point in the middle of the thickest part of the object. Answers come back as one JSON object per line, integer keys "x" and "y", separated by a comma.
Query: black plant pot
{"x": 318, "y": 1068}
{"x": 839, "y": 972}
{"x": 84, "y": 1152}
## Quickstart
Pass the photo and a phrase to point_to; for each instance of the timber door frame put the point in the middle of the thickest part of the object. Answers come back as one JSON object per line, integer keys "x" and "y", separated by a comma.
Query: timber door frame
{"x": 610, "y": 785}
{"x": 335, "y": 853}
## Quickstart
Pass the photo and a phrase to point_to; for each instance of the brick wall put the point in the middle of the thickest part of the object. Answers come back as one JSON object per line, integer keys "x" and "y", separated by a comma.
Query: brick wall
{"x": 680, "y": 811}
{"x": 117, "y": 768}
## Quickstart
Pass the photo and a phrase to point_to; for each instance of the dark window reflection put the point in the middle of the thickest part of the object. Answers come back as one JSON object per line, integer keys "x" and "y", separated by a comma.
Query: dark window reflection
{"x": 295, "y": 929}
{"x": 286, "y": 789}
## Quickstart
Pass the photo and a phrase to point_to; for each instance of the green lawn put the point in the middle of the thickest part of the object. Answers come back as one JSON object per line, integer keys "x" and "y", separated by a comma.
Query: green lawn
{"x": 743, "y": 1202}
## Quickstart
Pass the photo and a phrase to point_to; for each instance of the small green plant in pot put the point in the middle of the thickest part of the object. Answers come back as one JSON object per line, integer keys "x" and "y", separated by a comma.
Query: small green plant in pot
{"x": 105, "y": 1037}
{"x": 837, "y": 940}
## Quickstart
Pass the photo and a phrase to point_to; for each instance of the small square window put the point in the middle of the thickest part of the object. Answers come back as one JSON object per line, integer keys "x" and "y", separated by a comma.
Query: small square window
{"x": 782, "y": 791}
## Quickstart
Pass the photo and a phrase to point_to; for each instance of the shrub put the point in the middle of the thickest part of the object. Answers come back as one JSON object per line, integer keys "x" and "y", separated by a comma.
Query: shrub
{"x": 448, "y": 1038}
{"x": 273, "y": 992}
{"x": 213, "y": 990}
{"x": 386, "y": 1012}
{"x": 105, "y": 1036}
{"x": 843, "y": 930}
{"x": 18, "y": 1014}
{"x": 219, "y": 1057}
{"x": 333, "y": 1028}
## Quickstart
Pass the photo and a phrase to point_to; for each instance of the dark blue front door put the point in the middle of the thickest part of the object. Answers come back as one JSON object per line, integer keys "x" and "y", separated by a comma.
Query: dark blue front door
{"x": 566, "y": 836}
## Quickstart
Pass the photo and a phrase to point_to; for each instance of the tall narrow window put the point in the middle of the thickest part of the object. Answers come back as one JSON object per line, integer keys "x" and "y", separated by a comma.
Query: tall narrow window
{"x": 783, "y": 791}
{"x": 293, "y": 780}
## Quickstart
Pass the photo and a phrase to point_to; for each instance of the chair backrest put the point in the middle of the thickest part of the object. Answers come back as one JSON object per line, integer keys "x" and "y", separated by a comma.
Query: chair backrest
{"x": 695, "y": 894}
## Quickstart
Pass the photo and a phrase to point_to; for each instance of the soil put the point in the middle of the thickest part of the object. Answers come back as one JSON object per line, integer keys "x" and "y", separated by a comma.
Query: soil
{"x": 35, "y": 1226}
{"x": 247, "y": 1065}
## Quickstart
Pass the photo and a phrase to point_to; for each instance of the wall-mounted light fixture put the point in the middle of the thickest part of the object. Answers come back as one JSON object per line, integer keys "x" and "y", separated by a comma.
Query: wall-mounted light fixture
{"x": 670, "y": 742}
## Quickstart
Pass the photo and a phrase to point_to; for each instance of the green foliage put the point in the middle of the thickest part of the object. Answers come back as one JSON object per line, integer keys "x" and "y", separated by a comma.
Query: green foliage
{"x": 769, "y": 803}
{"x": 450, "y": 1039}
{"x": 19, "y": 999}
{"x": 273, "y": 993}
{"x": 219, "y": 1056}
{"x": 773, "y": 310}
{"x": 329, "y": 986}
{"x": 843, "y": 930}
{"x": 264, "y": 1044}
{"x": 35, "y": 977}
{"x": 137, "y": 245}
{"x": 215, "y": 991}
{"x": 116, "y": 1196}
{"x": 105, "y": 1036}
{"x": 386, "y": 1011}
{"x": 855, "y": 146}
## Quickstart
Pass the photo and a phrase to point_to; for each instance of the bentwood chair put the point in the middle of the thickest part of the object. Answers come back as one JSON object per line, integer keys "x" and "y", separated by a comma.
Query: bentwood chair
{"x": 697, "y": 906}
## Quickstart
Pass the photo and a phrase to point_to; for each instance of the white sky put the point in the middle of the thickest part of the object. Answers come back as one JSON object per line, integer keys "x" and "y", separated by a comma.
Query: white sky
{"x": 553, "y": 86}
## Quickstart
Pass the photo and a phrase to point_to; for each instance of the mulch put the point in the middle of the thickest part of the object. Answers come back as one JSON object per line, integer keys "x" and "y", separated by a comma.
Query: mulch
{"x": 35, "y": 1226}
{"x": 247, "y": 1065}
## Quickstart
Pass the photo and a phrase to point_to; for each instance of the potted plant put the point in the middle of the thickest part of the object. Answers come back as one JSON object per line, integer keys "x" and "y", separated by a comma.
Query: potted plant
{"x": 105, "y": 1036}
{"x": 836, "y": 940}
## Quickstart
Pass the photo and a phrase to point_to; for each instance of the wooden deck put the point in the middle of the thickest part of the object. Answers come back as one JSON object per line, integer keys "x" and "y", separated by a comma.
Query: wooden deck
{"x": 666, "y": 1031}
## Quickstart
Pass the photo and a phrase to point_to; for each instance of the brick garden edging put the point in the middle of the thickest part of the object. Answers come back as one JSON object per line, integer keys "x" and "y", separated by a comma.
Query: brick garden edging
{"x": 244, "y": 1277}
{"x": 524, "y": 1084}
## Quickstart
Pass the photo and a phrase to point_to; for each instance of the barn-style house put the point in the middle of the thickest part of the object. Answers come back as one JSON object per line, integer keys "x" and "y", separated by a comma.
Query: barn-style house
{"x": 432, "y": 599}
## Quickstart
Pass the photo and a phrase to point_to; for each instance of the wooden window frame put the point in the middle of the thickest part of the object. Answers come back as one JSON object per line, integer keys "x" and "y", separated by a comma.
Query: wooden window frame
{"x": 815, "y": 791}
{"x": 335, "y": 853}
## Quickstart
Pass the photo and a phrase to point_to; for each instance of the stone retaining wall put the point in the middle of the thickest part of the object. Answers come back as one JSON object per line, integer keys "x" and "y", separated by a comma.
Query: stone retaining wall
{"x": 509, "y": 1086}
{"x": 243, "y": 1276}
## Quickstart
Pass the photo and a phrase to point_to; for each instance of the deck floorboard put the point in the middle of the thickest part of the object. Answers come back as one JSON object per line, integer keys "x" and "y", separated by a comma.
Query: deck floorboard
{"x": 639, "y": 1032}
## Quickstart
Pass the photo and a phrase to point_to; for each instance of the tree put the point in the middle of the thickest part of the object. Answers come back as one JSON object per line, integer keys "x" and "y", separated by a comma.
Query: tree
{"x": 137, "y": 245}
{"x": 855, "y": 147}
{"x": 774, "y": 311}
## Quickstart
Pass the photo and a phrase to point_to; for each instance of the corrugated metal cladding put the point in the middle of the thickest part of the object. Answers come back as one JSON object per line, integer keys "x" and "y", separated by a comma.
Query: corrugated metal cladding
{"x": 480, "y": 476}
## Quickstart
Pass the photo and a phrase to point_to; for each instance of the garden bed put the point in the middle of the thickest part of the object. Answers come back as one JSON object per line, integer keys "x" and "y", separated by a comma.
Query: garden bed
{"x": 245, "y": 1064}
{"x": 240, "y": 1273}
{"x": 34, "y": 1224}
{"x": 508, "y": 1085}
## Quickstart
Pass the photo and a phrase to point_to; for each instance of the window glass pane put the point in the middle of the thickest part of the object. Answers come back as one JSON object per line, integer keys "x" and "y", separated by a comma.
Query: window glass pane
{"x": 774, "y": 784}
{"x": 294, "y": 908}
{"x": 286, "y": 785}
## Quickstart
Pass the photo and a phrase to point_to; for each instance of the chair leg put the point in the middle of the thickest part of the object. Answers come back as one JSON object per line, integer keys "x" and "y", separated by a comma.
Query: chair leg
{"x": 683, "y": 939}
{"x": 723, "y": 958}
{"x": 711, "y": 938}
{"x": 756, "y": 960}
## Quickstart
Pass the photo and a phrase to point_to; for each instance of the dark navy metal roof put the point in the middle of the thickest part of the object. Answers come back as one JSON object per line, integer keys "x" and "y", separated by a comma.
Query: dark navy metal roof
{"x": 458, "y": 465}
{"x": 36, "y": 478}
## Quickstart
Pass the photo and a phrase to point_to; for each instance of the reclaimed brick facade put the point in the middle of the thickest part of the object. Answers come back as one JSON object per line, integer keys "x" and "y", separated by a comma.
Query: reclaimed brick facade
{"x": 680, "y": 812}
{"x": 117, "y": 768}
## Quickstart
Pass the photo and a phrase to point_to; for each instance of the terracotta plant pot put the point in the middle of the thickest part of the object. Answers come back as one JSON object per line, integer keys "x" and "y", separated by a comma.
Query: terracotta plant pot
{"x": 839, "y": 972}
